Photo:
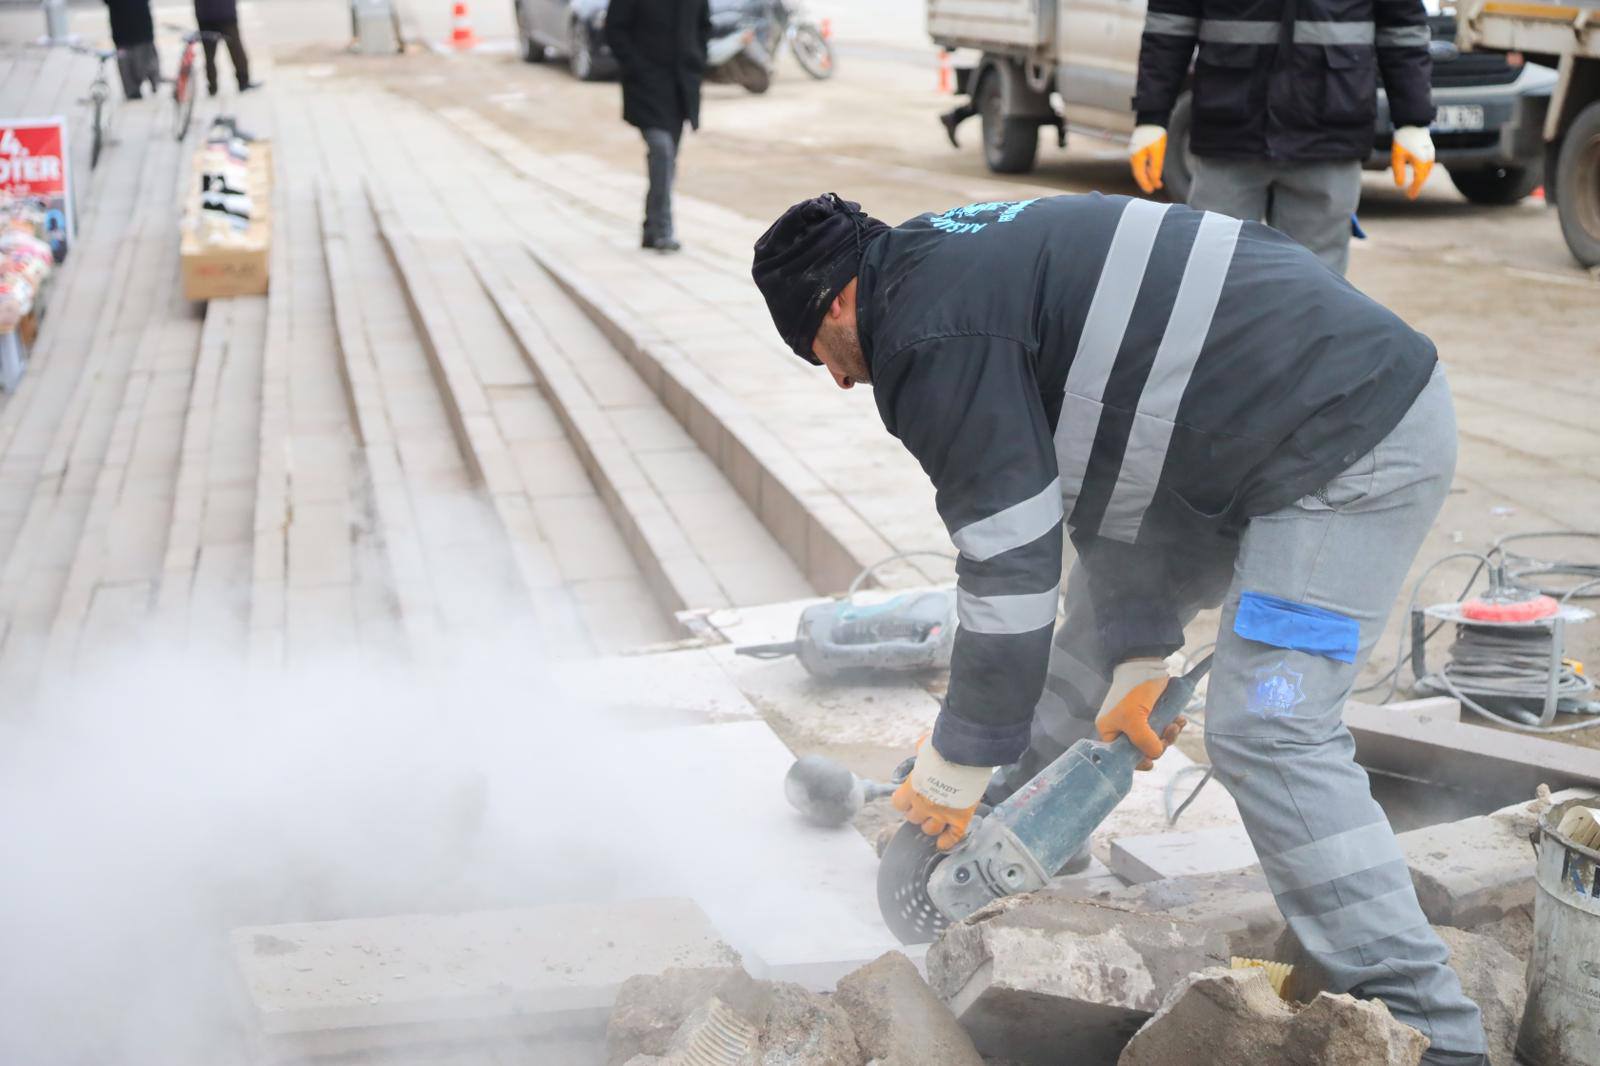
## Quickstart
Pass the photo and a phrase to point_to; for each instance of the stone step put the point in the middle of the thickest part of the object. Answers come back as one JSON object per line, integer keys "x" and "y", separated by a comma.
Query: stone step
{"x": 698, "y": 542}
{"x": 564, "y": 540}
{"x": 73, "y": 421}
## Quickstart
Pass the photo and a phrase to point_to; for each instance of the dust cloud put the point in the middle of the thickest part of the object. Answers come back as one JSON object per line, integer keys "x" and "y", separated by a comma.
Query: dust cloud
{"x": 165, "y": 798}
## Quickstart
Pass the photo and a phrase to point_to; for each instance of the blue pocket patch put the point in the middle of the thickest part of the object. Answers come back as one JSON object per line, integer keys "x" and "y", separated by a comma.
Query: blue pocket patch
{"x": 1297, "y": 626}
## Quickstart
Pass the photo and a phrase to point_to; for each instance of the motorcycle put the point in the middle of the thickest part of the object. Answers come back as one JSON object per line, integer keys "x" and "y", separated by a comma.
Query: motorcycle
{"x": 746, "y": 36}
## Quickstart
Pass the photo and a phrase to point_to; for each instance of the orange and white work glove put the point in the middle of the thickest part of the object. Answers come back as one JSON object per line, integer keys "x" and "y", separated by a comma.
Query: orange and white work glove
{"x": 1413, "y": 145}
{"x": 941, "y": 796}
{"x": 1135, "y": 687}
{"x": 1147, "y": 154}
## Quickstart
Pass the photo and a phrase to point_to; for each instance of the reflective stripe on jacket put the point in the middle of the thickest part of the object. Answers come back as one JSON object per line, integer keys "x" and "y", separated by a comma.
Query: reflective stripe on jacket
{"x": 1300, "y": 84}
{"x": 1149, "y": 375}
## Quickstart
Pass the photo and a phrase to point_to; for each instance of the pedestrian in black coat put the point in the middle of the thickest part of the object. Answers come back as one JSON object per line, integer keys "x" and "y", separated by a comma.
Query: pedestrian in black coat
{"x": 661, "y": 47}
{"x": 134, "y": 34}
{"x": 220, "y": 18}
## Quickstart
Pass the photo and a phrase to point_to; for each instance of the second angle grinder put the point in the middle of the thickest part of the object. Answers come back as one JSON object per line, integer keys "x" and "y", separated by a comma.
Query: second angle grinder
{"x": 1019, "y": 844}
{"x": 909, "y": 633}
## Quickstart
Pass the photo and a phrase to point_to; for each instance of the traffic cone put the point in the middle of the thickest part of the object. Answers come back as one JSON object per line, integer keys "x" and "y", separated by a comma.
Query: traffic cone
{"x": 944, "y": 71}
{"x": 827, "y": 29}
{"x": 1538, "y": 194}
{"x": 461, "y": 35}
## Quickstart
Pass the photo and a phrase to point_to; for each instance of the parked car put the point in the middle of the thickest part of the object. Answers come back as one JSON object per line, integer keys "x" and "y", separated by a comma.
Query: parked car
{"x": 1086, "y": 53}
{"x": 569, "y": 29}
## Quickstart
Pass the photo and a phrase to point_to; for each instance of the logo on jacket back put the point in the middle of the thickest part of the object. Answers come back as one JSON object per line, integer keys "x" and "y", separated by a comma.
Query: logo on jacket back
{"x": 974, "y": 217}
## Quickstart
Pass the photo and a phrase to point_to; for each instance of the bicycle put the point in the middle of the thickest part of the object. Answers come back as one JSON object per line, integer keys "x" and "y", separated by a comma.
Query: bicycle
{"x": 183, "y": 86}
{"x": 99, "y": 99}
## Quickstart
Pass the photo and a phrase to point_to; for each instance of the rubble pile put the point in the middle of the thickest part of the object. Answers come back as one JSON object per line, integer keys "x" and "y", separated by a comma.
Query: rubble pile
{"x": 883, "y": 1014}
{"x": 1220, "y": 1017}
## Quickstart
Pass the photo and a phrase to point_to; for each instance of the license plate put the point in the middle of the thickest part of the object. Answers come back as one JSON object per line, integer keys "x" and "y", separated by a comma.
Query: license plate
{"x": 1454, "y": 117}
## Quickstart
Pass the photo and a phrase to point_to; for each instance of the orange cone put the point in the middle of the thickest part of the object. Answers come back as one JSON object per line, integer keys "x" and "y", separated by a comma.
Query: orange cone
{"x": 827, "y": 29}
{"x": 461, "y": 35}
{"x": 944, "y": 71}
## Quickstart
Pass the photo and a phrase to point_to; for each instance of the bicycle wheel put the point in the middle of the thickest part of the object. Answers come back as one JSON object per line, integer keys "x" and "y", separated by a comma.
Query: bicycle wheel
{"x": 97, "y": 132}
{"x": 183, "y": 96}
{"x": 812, "y": 50}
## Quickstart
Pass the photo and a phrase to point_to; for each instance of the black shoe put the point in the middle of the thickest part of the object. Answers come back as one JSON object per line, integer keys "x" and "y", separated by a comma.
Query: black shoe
{"x": 950, "y": 120}
{"x": 211, "y": 90}
{"x": 251, "y": 85}
{"x": 667, "y": 244}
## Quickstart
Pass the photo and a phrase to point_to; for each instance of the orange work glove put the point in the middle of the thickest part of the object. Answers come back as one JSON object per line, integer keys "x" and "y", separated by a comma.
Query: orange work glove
{"x": 1135, "y": 687}
{"x": 1147, "y": 154}
{"x": 1413, "y": 145}
{"x": 941, "y": 796}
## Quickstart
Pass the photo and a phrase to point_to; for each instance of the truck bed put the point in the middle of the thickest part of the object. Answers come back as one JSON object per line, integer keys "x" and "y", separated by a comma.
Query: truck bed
{"x": 1561, "y": 27}
{"x": 992, "y": 25}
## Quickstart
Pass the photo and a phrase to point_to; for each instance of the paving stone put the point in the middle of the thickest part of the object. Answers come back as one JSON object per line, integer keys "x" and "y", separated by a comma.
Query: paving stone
{"x": 1180, "y": 854}
{"x": 1238, "y": 905}
{"x": 897, "y": 1019}
{"x": 327, "y": 987}
{"x": 1030, "y": 976}
{"x": 1224, "y": 1017}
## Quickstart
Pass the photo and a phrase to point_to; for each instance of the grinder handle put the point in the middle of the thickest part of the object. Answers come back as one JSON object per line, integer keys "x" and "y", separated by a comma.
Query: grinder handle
{"x": 1176, "y": 696}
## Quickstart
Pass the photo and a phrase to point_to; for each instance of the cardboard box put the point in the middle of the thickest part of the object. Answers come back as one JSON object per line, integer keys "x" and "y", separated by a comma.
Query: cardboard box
{"x": 239, "y": 268}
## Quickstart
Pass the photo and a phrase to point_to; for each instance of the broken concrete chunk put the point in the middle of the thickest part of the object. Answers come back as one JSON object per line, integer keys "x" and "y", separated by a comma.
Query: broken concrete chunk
{"x": 651, "y": 1007}
{"x": 715, "y": 1034}
{"x": 1496, "y": 981}
{"x": 897, "y": 1019}
{"x": 1225, "y": 1017}
{"x": 1033, "y": 976}
{"x": 1514, "y": 932}
{"x": 805, "y": 1029}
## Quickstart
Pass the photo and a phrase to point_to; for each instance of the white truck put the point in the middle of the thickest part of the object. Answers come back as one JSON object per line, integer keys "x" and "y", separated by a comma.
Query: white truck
{"x": 1566, "y": 33}
{"x": 1073, "y": 63}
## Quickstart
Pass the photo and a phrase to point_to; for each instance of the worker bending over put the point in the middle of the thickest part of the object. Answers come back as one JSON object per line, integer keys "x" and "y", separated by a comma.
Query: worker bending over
{"x": 1284, "y": 97}
{"x": 1214, "y": 418}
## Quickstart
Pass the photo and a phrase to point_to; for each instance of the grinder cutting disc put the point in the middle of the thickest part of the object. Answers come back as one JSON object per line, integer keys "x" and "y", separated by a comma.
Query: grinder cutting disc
{"x": 903, "y": 872}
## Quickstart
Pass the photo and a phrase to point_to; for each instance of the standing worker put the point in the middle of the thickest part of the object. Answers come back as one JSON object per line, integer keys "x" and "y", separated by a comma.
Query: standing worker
{"x": 661, "y": 48}
{"x": 134, "y": 34}
{"x": 1215, "y": 419}
{"x": 220, "y": 18}
{"x": 1285, "y": 97}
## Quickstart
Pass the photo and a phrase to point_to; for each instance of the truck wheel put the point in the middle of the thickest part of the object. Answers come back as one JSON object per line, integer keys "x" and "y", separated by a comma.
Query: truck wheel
{"x": 1177, "y": 173}
{"x": 1009, "y": 144}
{"x": 1578, "y": 179}
{"x": 1497, "y": 186}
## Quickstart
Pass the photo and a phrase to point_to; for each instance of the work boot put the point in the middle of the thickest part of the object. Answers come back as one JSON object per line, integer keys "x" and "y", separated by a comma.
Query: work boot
{"x": 950, "y": 120}
{"x": 1454, "y": 1058}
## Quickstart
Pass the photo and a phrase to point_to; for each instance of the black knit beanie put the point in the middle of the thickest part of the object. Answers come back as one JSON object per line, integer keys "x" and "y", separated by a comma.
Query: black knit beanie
{"x": 805, "y": 259}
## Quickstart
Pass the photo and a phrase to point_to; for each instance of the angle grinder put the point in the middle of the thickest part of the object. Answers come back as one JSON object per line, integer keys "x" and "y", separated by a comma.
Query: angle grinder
{"x": 1019, "y": 844}
{"x": 909, "y": 633}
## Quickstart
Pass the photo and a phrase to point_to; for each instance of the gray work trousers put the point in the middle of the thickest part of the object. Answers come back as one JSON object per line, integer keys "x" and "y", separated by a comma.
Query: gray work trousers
{"x": 661, "y": 161}
{"x": 1275, "y": 730}
{"x": 1310, "y": 202}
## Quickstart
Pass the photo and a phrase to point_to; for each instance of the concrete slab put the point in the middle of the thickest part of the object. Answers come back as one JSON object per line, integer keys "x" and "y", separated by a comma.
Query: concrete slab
{"x": 332, "y": 987}
{"x": 1138, "y": 859}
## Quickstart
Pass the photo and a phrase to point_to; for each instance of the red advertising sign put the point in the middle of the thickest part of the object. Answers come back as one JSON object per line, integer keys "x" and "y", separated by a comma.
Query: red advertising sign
{"x": 34, "y": 165}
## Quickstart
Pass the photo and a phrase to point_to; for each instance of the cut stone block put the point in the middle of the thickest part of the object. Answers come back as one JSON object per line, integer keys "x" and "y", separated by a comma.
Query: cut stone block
{"x": 897, "y": 1019}
{"x": 334, "y": 987}
{"x": 1144, "y": 811}
{"x": 1477, "y": 870}
{"x": 1225, "y": 1017}
{"x": 1238, "y": 905}
{"x": 1037, "y": 977}
{"x": 1138, "y": 859}
{"x": 1429, "y": 708}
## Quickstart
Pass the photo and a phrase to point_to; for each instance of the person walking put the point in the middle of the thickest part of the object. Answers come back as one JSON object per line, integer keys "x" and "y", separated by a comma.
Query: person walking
{"x": 1214, "y": 419}
{"x": 134, "y": 35}
{"x": 1284, "y": 101}
{"x": 220, "y": 19}
{"x": 661, "y": 47}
